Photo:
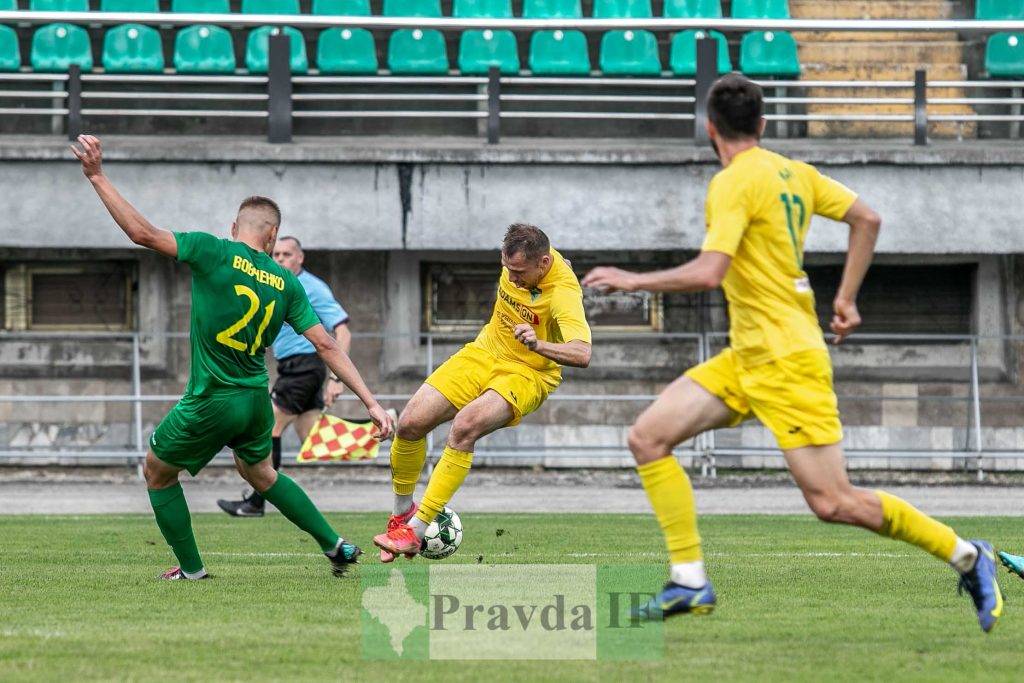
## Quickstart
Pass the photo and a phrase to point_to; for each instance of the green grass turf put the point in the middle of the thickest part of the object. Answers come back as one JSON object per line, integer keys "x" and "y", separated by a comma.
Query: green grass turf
{"x": 798, "y": 600}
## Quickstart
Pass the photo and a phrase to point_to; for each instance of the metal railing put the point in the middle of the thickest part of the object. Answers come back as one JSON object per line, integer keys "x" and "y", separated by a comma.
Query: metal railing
{"x": 275, "y": 98}
{"x": 708, "y": 449}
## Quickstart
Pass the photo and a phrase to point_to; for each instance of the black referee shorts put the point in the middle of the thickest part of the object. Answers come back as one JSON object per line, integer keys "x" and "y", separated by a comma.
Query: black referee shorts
{"x": 300, "y": 382}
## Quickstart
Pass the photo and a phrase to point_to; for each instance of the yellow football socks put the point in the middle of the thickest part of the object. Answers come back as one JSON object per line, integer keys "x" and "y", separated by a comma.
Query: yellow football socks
{"x": 407, "y": 458}
{"x": 446, "y": 479}
{"x": 668, "y": 488}
{"x": 903, "y": 522}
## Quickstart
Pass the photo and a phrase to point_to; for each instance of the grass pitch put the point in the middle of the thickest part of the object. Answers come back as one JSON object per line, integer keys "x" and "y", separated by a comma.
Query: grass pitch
{"x": 798, "y": 600}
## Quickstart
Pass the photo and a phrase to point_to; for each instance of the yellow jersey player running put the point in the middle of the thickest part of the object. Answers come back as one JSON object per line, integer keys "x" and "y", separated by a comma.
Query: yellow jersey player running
{"x": 777, "y": 367}
{"x": 537, "y": 326}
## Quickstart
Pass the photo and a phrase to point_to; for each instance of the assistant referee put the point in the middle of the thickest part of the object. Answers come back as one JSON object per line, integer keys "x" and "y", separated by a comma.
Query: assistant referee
{"x": 297, "y": 395}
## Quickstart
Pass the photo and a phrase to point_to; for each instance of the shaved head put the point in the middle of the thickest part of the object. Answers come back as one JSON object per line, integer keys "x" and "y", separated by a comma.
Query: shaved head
{"x": 258, "y": 218}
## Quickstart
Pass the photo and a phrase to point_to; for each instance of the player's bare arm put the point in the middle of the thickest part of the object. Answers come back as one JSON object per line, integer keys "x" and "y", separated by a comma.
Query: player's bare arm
{"x": 575, "y": 353}
{"x": 335, "y": 387}
{"x": 139, "y": 230}
{"x": 864, "y": 225}
{"x": 343, "y": 368}
{"x": 702, "y": 273}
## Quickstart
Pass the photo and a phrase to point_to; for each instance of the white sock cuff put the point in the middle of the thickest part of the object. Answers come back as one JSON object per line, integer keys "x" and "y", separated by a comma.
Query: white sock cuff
{"x": 196, "y": 575}
{"x": 965, "y": 554}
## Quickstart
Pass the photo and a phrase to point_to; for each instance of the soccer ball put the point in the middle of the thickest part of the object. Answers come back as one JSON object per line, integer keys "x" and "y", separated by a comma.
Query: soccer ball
{"x": 443, "y": 536}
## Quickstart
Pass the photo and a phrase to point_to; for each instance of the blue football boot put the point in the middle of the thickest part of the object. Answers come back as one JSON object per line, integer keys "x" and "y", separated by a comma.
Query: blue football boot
{"x": 676, "y": 599}
{"x": 981, "y": 584}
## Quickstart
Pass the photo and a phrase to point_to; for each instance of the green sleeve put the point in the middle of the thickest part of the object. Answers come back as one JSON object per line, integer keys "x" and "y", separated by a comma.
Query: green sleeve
{"x": 300, "y": 314}
{"x": 200, "y": 250}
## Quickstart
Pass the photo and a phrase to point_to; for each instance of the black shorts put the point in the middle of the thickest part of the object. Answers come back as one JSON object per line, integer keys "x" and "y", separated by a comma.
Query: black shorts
{"x": 300, "y": 383}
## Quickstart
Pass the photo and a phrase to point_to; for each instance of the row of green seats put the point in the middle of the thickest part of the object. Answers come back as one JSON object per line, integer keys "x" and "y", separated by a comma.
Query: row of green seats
{"x": 532, "y": 9}
{"x": 133, "y": 48}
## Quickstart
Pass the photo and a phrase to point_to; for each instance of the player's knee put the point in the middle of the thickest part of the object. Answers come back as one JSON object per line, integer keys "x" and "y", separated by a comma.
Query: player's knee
{"x": 155, "y": 477}
{"x": 644, "y": 446}
{"x": 464, "y": 432}
{"x": 411, "y": 429}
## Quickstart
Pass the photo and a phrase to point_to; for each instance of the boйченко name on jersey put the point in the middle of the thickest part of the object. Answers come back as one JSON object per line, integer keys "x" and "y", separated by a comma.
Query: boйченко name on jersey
{"x": 261, "y": 276}
{"x": 524, "y": 312}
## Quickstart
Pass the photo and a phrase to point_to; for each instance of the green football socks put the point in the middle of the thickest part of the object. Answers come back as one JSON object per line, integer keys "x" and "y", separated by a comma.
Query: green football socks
{"x": 292, "y": 501}
{"x": 175, "y": 524}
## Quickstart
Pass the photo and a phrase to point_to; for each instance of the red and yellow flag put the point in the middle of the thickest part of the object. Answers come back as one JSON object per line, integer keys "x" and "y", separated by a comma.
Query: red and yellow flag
{"x": 333, "y": 438}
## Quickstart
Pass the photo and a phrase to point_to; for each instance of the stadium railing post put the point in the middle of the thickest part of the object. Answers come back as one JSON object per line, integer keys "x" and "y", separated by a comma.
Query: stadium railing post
{"x": 279, "y": 89}
{"x": 74, "y": 102}
{"x": 920, "y": 107}
{"x": 976, "y": 409}
{"x": 707, "y": 70}
{"x": 493, "y": 105}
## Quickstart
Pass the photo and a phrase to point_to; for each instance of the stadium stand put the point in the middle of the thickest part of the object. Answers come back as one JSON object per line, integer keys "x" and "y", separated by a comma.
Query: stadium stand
{"x": 201, "y": 6}
{"x": 204, "y": 49}
{"x": 257, "y": 49}
{"x": 552, "y": 9}
{"x": 622, "y": 9}
{"x": 412, "y": 8}
{"x": 630, "y": 53}
{"x": 499, "y": 9}
{"x": 346, "y": 8}
{"x": 417, "y": 51}
{"x": 559, "y": 53}
{"x": 270, "y": 7}
{"x": 760, "y": 9}
{"x": 129, "y": 6}
{"x": 59, "y": 5}
{"x": 346, "y": 51}
{"x": 56, "y": 46}
{"x": 683, "y": 55}
{"x": 692, "y": 9}
{"x": 480, "y": 50}
{"x": 132, "y": 48}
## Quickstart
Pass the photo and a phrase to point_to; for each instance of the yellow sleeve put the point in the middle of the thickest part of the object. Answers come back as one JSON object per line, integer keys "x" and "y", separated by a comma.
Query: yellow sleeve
{"x": 727, "y": 214}
{"x": 567, "y": 312}
{"x": 832, "y": 199}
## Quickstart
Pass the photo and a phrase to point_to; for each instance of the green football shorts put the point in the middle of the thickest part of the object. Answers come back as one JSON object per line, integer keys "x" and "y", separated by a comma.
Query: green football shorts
{"x": 198, "y": 427}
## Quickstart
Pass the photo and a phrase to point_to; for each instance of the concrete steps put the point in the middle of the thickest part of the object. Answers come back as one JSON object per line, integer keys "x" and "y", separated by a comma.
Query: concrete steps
{"x": 870, "y": 9}
{"x": 889, "y": 55}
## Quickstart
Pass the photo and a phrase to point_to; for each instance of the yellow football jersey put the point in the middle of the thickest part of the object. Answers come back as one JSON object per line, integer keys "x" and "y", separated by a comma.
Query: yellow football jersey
{"x": 554, "y": 308}
{"x": 758, "y": 210}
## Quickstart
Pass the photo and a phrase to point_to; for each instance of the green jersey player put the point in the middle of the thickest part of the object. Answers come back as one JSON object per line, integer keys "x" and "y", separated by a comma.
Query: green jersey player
{"x": 240, "y": 299}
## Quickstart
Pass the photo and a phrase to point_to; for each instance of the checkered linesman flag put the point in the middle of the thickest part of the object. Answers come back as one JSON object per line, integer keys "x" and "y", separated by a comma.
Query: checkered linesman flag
{"x": 333, "y": 438}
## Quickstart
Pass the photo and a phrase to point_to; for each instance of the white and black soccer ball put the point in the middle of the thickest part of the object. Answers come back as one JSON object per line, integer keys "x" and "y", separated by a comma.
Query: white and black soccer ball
{"x": 443, "y": 536}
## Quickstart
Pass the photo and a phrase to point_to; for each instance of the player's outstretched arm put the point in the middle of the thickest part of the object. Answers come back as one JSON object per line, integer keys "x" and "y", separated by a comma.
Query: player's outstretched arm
{"x": 345, "y": 370}
{"x": 704, "y": 272}
{"x": 134, "y": 224}
{"x": 864, "y": 226}
{"x": 575, "y": 353}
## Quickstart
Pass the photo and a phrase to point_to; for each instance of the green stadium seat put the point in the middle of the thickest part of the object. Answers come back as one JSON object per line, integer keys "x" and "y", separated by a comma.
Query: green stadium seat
{"x": 562, "y": 53}
{"x": 342, "y": 8}
{"x": 999, "y": 9}
{"x": 480, "y": 50}
{"x": 693, "y": 9}
{"x": 630, "y": 53}
{"x": 769, "y": 53}
{"x": 10, "y": 53}
{"x": 257, "y": 49}
{"x": 129, "y": 6}
{"x": 201, "y": 6}
{"x": 9, "y": 5}
{"x": 552, "y": 9}
{"x": 346, "y": 51}
{"x": 204, "y": 49}
{"x": 59, "y": 5}
{"x": 412, "y": 8}
{"x": 133, "y": 49}
{"x": 760, "y": 9}
{"x": 683, "y": 53}
{"x": 622, "y": 9}
{"x": 1004, "y": 55}
{"x": 55, "y": 47}
{"x": 270, "y": 6}
{"x": 417, "y": 51}
{"x": 470, "y": 9}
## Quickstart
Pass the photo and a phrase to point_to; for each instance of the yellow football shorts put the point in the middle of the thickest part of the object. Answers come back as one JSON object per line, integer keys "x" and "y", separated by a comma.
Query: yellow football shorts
{"x": 792, "y": 396}
{"x": 473, "y": 370}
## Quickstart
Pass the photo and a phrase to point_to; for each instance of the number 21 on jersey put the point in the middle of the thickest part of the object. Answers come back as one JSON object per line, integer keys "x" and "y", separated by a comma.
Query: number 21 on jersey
{"x": 227, "y": 336}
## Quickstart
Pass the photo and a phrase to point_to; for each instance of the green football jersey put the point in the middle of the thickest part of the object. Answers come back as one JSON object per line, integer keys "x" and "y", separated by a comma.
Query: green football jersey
{"x": 240, "y": 299}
